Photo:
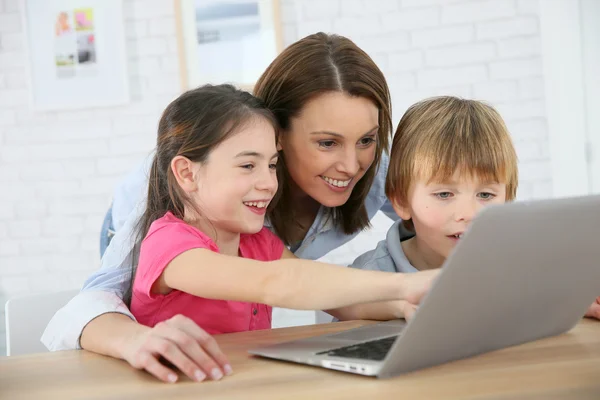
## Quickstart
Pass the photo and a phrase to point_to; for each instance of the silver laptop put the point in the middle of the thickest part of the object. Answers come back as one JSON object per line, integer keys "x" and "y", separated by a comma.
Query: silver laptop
{"x": 522, "y": 271}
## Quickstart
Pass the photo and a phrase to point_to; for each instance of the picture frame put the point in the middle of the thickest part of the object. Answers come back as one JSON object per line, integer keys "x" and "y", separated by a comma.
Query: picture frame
{"x": 76, "y": 52}
{"x": 226, "y": 41}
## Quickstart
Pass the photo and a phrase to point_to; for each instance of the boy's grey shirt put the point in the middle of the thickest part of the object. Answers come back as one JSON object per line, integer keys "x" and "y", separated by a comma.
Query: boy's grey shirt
{"x": 388, "y": 256}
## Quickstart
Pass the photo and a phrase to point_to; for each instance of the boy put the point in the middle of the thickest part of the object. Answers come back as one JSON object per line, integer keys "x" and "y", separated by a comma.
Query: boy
{"x": 450, "y": 157}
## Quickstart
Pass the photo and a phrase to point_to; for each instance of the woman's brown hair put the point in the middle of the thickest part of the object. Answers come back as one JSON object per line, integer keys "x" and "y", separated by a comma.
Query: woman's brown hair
{"x": 318, "y": 64}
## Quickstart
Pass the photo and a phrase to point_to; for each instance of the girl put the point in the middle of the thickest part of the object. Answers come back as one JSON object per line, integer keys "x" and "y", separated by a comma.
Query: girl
{"x": 333, "y": 106}
{"x": 212, "y": 179}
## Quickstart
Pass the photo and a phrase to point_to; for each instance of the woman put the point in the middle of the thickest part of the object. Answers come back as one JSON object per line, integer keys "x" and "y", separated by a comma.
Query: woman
{"x": 333, "y": 105}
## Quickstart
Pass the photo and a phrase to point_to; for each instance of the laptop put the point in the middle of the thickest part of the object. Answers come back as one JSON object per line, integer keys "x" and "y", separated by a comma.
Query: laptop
{"x": 522, "y": 271}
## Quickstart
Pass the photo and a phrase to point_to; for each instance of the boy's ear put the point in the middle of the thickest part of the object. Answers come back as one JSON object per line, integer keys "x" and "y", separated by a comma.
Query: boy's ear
{"x": 183, "y": 170}
{"x": 402, "y": 210}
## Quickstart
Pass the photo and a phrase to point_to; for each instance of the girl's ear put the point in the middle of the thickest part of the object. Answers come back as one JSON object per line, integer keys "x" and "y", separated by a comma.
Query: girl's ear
{"x": 183, "y": 170}
{"x": 403, "y": 211}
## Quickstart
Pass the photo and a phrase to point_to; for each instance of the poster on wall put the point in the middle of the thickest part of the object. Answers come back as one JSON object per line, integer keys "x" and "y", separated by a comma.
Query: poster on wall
{"x": 76, "y": 53}
{"x": 226, "y": 41}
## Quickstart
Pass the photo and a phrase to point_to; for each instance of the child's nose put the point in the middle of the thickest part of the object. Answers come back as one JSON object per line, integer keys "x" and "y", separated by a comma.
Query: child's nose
{"x": 466, "y": 211}
{"x": 267, "y": 182}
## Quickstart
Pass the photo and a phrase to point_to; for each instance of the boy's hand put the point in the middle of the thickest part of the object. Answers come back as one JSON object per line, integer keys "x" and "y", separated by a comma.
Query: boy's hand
{"x": 417, "y": 284}
{"x": 594, "y": 310}
{"x": 406, "y": 309}
{"x": 182, "y": 344}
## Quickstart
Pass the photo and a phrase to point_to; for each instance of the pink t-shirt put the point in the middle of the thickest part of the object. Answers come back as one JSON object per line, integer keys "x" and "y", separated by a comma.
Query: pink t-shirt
{"x": 166, "y": 239}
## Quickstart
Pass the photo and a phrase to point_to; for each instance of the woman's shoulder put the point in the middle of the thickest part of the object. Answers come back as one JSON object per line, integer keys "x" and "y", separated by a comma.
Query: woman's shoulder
{"x": 376, "y": 196}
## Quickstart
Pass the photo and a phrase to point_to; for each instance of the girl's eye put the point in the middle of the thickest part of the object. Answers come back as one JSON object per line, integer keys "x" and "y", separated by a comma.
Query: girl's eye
{"x": 486, "y": 195}
{"x": 443, "y": 195}
{"x": 367, "y": 141}
{"x": 248, "y": 166}
{"x": 327, "y": 144}
{"x": 273, "y": 166}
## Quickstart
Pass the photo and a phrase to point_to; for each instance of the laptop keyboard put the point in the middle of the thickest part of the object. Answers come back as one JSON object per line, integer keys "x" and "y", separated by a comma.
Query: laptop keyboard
{"x": 372, "y": 350}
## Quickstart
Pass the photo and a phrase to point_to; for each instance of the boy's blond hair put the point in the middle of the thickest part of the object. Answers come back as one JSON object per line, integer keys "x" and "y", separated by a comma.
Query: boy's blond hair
{"x": 438, "y": 136}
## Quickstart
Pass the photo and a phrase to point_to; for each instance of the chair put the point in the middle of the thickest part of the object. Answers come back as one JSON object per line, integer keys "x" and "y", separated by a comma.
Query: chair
{"x": 27, "y": 317}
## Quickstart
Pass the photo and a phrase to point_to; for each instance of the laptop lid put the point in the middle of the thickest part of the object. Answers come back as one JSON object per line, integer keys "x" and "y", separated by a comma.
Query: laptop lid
{"x": 522, "y": 271}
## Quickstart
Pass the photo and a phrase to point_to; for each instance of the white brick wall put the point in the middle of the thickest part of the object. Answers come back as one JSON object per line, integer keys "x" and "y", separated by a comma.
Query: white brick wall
{"x": 57, "y": 169}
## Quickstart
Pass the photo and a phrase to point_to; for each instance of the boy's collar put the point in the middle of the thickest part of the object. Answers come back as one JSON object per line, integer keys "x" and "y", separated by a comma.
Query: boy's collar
{"x": 394, "y": 237}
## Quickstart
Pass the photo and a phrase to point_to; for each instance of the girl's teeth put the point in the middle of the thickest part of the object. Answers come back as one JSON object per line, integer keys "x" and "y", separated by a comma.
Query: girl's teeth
{"x": 258, "y": 204}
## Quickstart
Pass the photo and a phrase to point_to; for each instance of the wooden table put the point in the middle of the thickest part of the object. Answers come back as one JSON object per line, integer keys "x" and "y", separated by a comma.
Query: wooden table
{"x": 563, "y": 367}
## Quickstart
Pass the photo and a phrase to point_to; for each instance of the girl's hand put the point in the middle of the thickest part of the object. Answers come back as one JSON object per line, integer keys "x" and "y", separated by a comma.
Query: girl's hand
{"x": 594, "y": 310}
{"x": 181, "y": 343}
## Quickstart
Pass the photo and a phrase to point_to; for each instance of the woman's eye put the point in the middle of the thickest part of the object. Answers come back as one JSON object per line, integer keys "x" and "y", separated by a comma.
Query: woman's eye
{"x": 273, "y": 166}
{"x": 327, "y": 144}
{"x": 248, "y": 166}
{"x": 367, "y": 141}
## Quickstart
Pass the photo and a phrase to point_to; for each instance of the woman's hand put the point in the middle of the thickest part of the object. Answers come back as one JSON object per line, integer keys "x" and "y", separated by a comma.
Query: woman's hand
{"x": 594, "y": 310}
{"x": 180, "y": 342}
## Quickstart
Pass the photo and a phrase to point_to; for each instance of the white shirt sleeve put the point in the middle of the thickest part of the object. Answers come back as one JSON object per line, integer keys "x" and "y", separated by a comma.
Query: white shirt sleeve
{"x": 102, "y": 292}
{"x": 64, "y": 329}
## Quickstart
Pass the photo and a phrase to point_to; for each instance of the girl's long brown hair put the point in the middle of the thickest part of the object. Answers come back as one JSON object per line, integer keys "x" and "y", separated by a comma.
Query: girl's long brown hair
{"x": 191, "y": 126}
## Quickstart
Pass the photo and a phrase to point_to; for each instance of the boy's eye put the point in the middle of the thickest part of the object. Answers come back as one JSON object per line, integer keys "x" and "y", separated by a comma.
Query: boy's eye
{"x": 327, "y": 144}
{"x": 443, "y": 195}
{"x": 486, "y": 195}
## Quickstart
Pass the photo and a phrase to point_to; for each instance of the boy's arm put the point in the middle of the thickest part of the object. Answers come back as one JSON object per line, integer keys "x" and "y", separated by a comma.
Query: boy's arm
{"x": 289, "y": 282}
{"x": 380, "y": 311}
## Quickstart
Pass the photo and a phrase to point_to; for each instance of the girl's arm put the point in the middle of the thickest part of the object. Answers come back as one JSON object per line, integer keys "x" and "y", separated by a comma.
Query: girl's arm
{"x": 378, "y": 311}
{"x": 289, "y": 282}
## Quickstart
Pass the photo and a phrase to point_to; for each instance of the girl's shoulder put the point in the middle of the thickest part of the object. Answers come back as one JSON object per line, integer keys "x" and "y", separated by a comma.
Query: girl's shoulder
{"x": 175, "y": 228}
{"x": 263, "y": 245}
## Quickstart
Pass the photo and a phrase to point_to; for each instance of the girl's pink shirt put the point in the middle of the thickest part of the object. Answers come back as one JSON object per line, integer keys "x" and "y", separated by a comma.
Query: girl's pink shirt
{"x": 167, "y": 238}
